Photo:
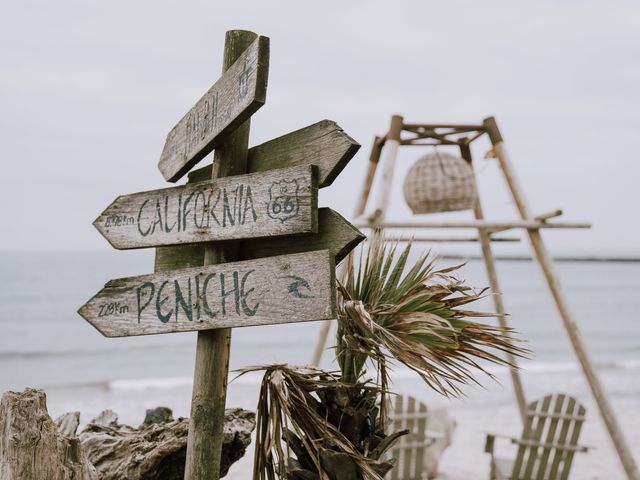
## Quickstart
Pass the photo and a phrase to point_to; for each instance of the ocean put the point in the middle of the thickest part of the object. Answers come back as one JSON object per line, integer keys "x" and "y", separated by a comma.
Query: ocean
{"x": 45, "y": 344}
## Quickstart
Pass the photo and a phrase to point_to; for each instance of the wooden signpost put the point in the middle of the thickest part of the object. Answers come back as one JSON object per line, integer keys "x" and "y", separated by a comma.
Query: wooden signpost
{"x": 274, "y": 256}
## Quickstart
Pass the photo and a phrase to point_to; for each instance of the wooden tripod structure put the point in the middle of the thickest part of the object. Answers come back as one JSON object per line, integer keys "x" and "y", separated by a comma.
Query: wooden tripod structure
{"x": 461, "y": 136}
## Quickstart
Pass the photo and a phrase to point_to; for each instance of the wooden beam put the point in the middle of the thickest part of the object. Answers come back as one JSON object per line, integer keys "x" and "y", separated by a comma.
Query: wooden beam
{"x": 546, "y": 216}
{"x": 569, "y": 322}
{"x": 447, "y": 239}
{"x": 431, "y": 126}
{"x": 526, "y": 224}
{"x": 374, "y": 160}
{"x": 388, "y": 166}
{"x": 492, "y": 274}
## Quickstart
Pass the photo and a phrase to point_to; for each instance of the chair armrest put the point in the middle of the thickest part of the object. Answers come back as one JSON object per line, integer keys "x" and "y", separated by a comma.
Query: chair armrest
{"x": 490, "y": 441}
{"x": 434, "y": 434}
{"x": 566, "y": 448}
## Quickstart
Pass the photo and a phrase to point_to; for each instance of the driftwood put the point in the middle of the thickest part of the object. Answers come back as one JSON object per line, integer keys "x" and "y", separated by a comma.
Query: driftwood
{"x": 34, "y": 447}
{"x": 156, "y": 450}
{"x": 31, "y": 447}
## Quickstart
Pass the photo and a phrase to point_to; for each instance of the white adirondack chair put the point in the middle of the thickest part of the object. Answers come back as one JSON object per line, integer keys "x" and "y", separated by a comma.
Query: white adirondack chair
{"x": 417, "y": 453}
{"x": 548, "y": 443}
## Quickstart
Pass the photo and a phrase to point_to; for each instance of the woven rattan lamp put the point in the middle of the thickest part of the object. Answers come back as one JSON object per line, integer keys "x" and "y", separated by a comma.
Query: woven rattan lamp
{"x": 440, "y": 182}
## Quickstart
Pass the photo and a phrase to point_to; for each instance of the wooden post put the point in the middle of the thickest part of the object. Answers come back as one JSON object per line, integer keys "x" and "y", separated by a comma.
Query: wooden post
{"x": 212, "y": 352}
{"x": 492, "y": 273}
{"x": 388, "y": 166}
{"x": 374, "y": 159}
{"x": 570, "y": 325}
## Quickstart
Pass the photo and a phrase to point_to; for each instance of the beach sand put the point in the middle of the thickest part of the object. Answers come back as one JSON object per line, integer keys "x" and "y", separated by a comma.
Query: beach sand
{"x": 465, "y": 458}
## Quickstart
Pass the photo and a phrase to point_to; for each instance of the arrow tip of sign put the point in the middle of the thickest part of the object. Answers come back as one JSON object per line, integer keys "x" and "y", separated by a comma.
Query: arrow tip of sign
{"x": 345, "y": 142}
{"x": 85, "y": 312}
{"x": 351, "y": 239}
{"x": 98, "y": 224}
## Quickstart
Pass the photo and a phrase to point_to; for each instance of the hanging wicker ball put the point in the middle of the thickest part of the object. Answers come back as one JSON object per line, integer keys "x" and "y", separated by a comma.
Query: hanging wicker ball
{"x": 440, "y": 182}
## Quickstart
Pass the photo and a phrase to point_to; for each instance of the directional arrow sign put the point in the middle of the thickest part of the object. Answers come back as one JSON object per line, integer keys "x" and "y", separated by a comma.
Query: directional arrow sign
{"x": 284, "y": 289}
{"x": 277, "y": 202}
{"x": 230, "y": 101}
{"x": 323, "y": 144}
{"x": 334, "y": 234}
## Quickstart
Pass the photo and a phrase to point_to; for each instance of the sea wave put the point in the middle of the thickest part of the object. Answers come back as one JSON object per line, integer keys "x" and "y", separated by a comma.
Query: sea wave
{"x": 254, "y": 378}
{"x": 137, "y": 384}
{"x": 39, "y": 354}
{"x": 558, "y": 367}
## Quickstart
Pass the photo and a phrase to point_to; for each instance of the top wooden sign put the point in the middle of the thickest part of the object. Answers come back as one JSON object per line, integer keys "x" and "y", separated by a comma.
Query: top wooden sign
{"x": 229, "y": 102}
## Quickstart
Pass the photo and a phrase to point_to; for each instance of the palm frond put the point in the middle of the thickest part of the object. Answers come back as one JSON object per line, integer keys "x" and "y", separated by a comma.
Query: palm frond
{"x": 293, "y": 417}
{"x": 414, "y": 318}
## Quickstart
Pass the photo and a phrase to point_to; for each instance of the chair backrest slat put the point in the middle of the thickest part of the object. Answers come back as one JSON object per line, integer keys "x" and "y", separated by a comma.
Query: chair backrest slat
{"x": 551, "y": 433}
{"x": 409, "y": 452}
{"x": 421, "y": 437}
{"x": 526, "y": 434}
{"x": 397, "y": 452}
{"x": 409, "y": 449}
{"x": 552, "y": 423}
{"x": 536, "y": 436}
{"x": 558, "y": 455}
{"x": 577, "y": 426}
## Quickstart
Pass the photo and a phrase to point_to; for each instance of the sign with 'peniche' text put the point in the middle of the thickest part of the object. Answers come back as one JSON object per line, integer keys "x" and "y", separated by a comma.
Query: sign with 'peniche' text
{"x": 283, "y": 289}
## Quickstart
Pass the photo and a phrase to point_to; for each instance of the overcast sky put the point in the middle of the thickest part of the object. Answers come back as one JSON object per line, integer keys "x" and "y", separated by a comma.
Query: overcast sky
{"x": 89, "y": 90}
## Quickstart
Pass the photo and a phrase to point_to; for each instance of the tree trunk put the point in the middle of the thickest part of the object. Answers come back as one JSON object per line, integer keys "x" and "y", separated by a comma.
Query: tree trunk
{"x": 32, "y": 448}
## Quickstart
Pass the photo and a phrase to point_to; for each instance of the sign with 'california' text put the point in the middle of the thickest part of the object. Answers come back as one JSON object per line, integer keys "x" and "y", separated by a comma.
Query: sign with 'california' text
{"x": 283, "y": 289}
{"x": 273, "y": 203}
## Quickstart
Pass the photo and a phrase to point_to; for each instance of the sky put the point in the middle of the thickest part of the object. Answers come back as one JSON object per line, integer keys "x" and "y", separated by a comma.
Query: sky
{"x": 89, "y": 91}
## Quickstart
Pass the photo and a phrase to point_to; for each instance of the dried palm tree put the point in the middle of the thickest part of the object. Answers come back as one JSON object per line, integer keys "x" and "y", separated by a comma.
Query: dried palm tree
{"x": 316, "y": 425}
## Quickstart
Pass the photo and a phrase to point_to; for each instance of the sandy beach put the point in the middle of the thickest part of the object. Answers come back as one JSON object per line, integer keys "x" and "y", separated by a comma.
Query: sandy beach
{"x": 465, "y": 458}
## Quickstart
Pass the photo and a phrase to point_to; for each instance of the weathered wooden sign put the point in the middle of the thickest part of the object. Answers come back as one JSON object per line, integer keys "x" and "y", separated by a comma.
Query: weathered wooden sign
{"x": 230, "y": 101}
{"x": 274, "y": 203}
{"x": 266, "y": 199}
{"x": 334, "y": 234}
{"x": 283, "y": 289}
{"x": 323, "y": 144}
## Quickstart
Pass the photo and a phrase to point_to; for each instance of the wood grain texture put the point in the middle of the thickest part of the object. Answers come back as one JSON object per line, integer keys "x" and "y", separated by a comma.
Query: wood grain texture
{"x": 157, "y": 451}
{"x": 334, "y": 234}
{"x": 213, "y": 347}
{"x": 323, "y": 144}
{"x": 283, "y": 289}
{"x": 32, "y": 448}
{"x": 275, "y": 203}
{"x": 240, "y": 91}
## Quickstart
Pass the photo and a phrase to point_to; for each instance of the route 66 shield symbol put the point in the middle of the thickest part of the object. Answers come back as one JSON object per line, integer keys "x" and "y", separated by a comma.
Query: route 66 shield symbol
{"x": 283, "y": 200}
